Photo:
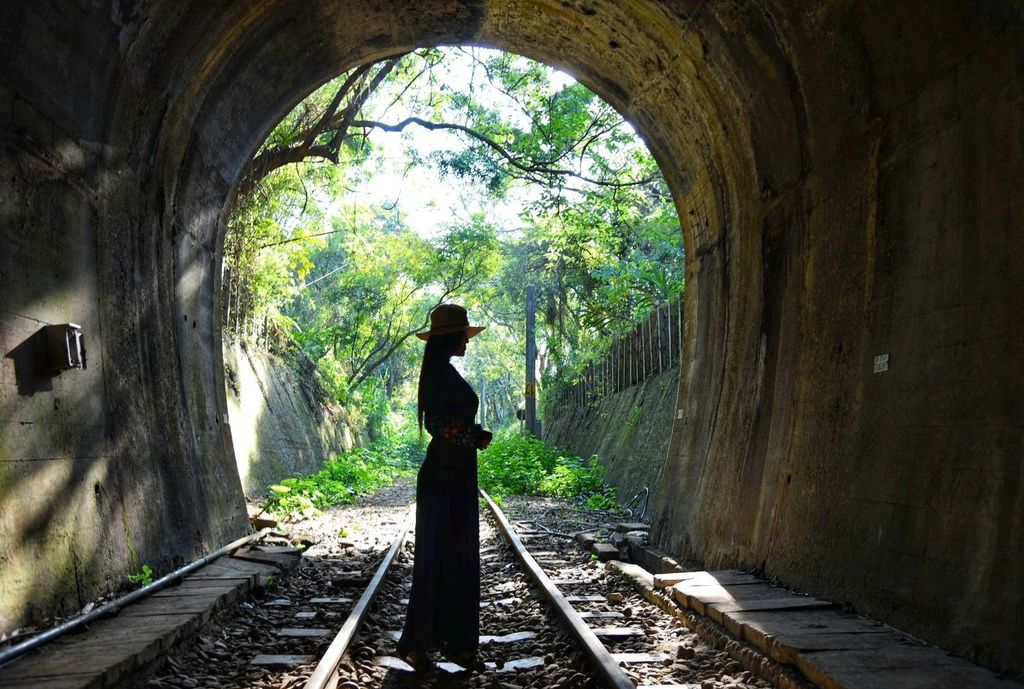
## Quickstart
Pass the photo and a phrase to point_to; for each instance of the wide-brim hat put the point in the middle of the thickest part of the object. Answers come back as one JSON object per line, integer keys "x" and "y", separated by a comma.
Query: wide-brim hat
{"x": 449, "y": 318}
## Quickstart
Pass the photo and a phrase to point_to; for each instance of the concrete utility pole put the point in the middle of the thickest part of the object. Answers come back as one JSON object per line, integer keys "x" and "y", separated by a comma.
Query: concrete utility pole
{"x": 483, "y": 402}
{"x": 531, "y": 361}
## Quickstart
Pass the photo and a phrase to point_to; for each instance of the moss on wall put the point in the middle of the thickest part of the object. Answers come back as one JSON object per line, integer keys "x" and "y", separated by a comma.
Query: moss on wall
{"x": 629, "y": 431}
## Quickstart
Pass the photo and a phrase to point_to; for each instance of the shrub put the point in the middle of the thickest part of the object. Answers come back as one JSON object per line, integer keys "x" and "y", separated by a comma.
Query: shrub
{"x": 144, "y": 577}
{"x": 517, "y": 465}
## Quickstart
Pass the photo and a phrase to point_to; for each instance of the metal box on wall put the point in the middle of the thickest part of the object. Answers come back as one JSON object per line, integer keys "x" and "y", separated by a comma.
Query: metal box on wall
{"x": 63, "y": 348}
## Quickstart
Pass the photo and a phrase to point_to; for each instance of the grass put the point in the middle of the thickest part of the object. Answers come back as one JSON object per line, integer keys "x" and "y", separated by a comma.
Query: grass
{"x": 343, "y": 479}
{"x": 512, "y": 465}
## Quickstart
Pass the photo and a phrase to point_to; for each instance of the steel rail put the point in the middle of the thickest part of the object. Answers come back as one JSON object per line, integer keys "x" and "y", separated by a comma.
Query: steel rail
{"x": 325, "y": 669}
{"x": 608, "y": 671}
{"x": 114, "y": 606}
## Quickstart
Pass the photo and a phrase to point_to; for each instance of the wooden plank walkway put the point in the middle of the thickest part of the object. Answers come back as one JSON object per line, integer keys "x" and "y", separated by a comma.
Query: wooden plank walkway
{"x": 112, "y": 650}
{"x": 834, "y": 649}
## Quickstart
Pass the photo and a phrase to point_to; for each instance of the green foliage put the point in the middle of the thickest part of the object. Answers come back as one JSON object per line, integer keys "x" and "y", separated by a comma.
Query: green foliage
{"x": 315, "y": 270}
{"x": 633, "y": 423}
{"x": 143, "y": 577}
{"x": 602, "y": 501}
{"x": 342, "y": 480}
{"x": 518, "y": 465}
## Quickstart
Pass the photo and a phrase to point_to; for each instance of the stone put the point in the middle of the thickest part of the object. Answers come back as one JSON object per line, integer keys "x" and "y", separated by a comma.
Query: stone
{"x": 711, "y": 578}
{"x": 516, "y": 665}
{"x": 393, "y": 663}
{"x": 511, "y": 638}
{"x": 111, "y": 649}
{"x": 501, "y": 602}
{"x": 632, "y": 526}
{"x": 281, "y": 661}
{"x": 714, "y": 601}
{"x": 202, "y": 606}
{"x": 640, "y": 658}
{"x": 905, "y": 666}
{"x": 617, "y": 632}
{"x": 601, "y": 615}
{"x": 302, "y": 633}
{"x": 605, "y": 551}
{"x": 773, "y": 631}
{"x": 277, "y": 556}
{"x": 668, "y": 579}
{"x": 586, "y": 599}
{"x": 631, "y": 571}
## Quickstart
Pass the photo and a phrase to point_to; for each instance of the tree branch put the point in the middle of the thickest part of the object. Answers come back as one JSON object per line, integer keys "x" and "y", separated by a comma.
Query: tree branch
{"x": 531, "y": 168}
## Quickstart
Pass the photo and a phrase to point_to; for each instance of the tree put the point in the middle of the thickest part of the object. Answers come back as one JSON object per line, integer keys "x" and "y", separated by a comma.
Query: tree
{"x": 558, "y": 143}
{"x": 597, "y": 233}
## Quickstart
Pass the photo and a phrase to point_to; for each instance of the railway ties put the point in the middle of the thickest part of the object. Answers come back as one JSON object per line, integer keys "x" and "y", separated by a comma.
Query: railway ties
{"x": 520, "y": 644}
{"x": 610, "y": 637}
{"x": 272, "y": 640}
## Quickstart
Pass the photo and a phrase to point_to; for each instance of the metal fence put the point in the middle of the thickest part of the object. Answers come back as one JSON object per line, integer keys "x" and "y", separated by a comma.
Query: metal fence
{"x": 653, "y": 346}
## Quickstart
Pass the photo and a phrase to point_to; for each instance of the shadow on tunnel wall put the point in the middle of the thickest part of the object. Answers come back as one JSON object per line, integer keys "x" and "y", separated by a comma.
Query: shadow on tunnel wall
{"x": 67, "y": 533}
{"x": 83, "y": 500}
{"x": 31, "y": 376}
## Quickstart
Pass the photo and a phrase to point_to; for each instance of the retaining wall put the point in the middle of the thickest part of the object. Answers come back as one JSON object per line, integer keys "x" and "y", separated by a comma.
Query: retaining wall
{"x": 628, "y": 431}
{"x": 281, "y": 424}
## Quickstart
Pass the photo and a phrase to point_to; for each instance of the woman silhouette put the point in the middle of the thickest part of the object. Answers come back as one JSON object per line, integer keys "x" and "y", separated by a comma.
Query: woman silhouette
{"x": 444, "y": 604}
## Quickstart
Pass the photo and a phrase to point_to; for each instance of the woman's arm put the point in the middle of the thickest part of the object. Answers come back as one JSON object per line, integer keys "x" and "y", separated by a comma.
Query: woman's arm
{"x": 456, "y": 430}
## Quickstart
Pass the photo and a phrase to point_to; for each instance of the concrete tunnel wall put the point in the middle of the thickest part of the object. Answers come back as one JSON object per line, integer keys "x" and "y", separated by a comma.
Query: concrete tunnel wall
{"x": 849, "y": 181}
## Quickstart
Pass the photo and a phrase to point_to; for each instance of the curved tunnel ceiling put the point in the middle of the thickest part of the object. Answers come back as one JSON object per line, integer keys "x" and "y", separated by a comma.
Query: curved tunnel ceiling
{"x": 711, "y": 91}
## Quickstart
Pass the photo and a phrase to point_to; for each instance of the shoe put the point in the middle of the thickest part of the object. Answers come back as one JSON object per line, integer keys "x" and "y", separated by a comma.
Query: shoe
{"x": 468, "y": 660}
{"x": 419, "y": 660}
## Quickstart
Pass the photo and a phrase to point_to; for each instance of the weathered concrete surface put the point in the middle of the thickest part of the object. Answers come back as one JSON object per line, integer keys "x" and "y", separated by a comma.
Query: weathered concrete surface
{"x": 849, "y": 179}
{"x": 114, "y": 650}
{"x": 627, "y": 431}
{"x": 836, "y": 650}
{"x": 281, "y": 425}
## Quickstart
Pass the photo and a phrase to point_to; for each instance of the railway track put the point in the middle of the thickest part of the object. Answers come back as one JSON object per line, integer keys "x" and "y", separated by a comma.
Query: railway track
{"x": 551, "y": 617}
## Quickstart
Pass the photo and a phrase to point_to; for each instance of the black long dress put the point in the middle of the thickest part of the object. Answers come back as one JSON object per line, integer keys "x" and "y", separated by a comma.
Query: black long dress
{"x": 444, "y": 604}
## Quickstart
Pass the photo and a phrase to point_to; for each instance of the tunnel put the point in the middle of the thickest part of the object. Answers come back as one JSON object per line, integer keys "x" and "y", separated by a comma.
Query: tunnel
{"x": 848, "y": 176}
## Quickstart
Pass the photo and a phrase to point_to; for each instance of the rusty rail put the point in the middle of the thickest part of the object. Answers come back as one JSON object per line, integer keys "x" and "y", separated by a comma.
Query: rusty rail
{"x": 113, "y": 607}
{"x": 328, "y": 665}
{"x": 609, "y": 674}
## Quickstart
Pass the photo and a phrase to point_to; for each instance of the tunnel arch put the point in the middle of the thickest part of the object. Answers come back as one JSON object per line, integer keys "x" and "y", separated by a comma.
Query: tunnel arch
{"x": 715, "y": 91}
{"x": 844, "y": 175}
{"x": 700, "y": 116}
